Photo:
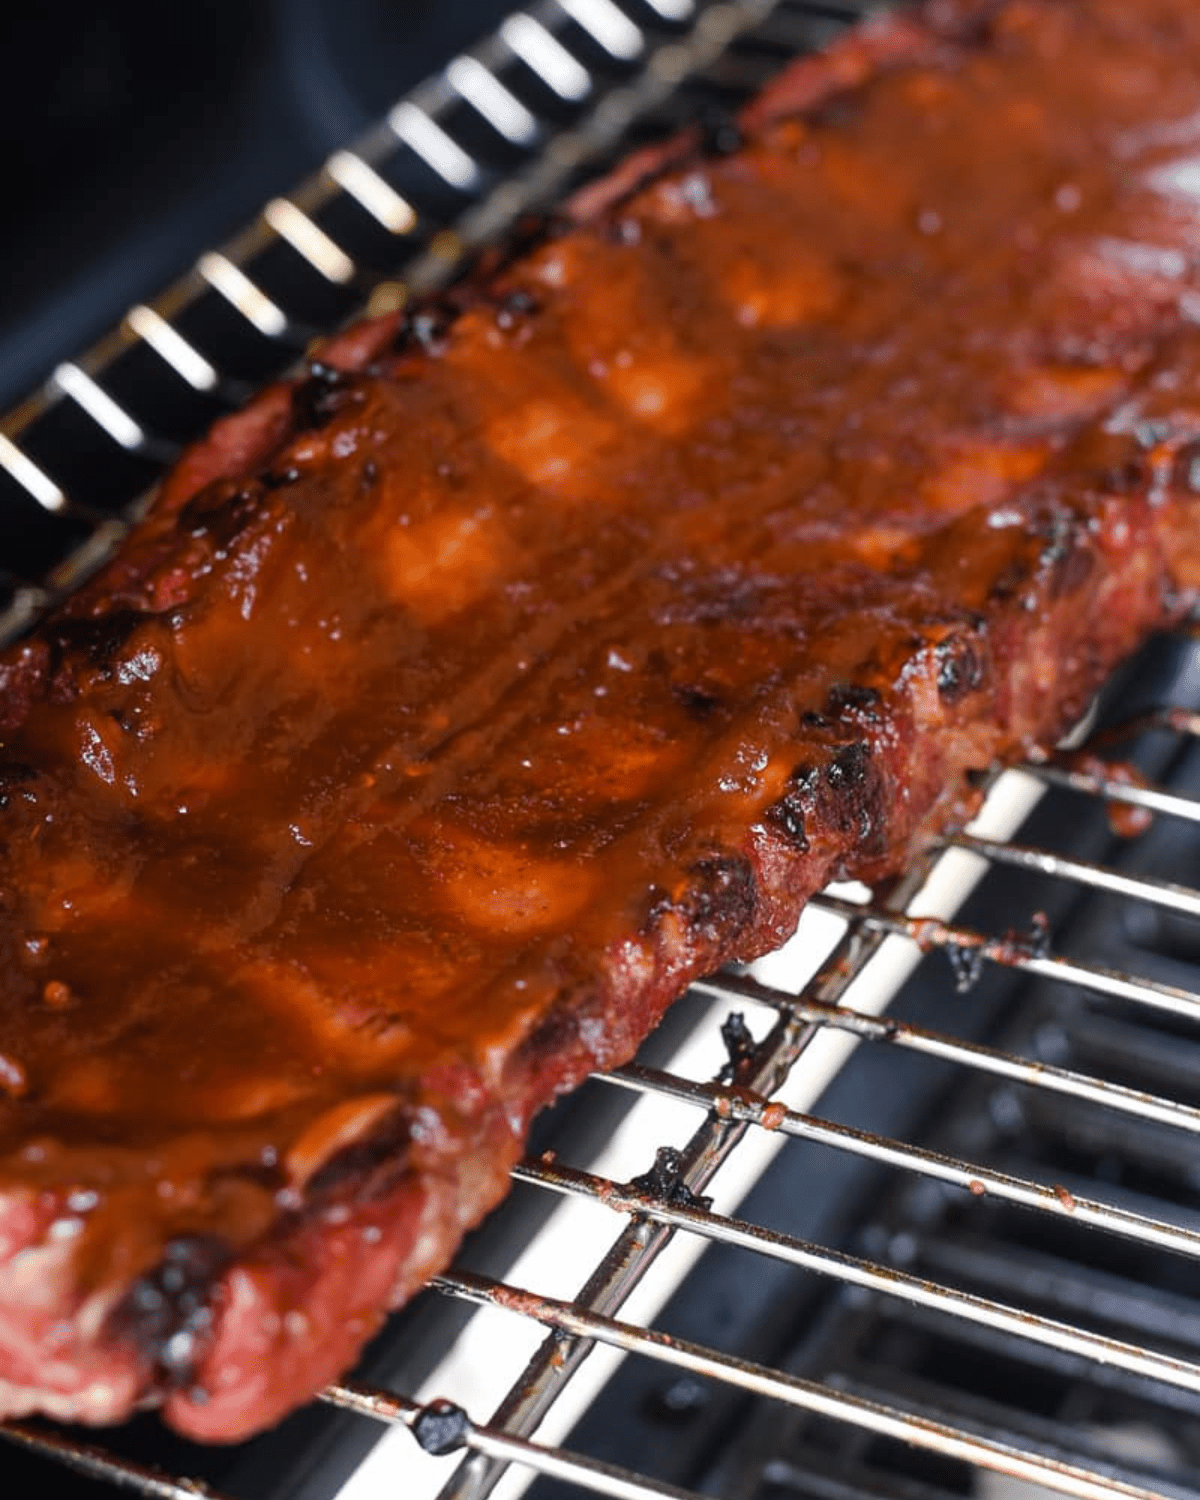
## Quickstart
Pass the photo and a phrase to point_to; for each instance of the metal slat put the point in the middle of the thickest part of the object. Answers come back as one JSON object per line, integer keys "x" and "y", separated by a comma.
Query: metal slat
{"x": 978, "y": 1180}
{"x": 869, "y": 1415}
{"x": 852, "y": 1271}
{"x": 1034, "y": 1074}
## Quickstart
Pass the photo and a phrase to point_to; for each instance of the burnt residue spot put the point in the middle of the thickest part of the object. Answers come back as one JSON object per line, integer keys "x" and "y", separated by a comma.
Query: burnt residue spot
{"x": 698, "y": 701}
{"x": 1130, "y": 476}
{"x": 790, "y": 814}
{"x": 966, "y": 965}
{"x": 441, "y": 1427}
{"x": 849, "y": 768}
{"x": 739, "y": 1044}
{"x": 167, "y": 1311}
{"x": 1185, "y": 471}
{"x": 15, "y": 782}
{"x": 355, "y": 1163}
{"x": 424, "y": 328}
{"x": 277, "y": 479}
{"x": 220, "y": 513}
{"x": 515, "y": 306}
{"x": 960, "y": 669}
{"x": 664, "y": 1182}
{"x": 316, "y": 400}
{"x": 722, "y": 898}
{"x": 853, "y": 700}
{"x": 95, "y": 641}
{"x": 720, "y": 134}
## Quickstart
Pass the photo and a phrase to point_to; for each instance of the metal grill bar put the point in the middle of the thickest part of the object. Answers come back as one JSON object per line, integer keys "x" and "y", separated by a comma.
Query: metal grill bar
{"x": 870, "y": 1416}
{"x": 1034, "y": 1074}
{"x": 556, "y": 1463}
{"x": 849, "y": 1269}
{"x": 753, "y": 1108}
{"x": 95, "y": 1463}
{"x": 1013, "y": 953}
{"x": 1130, "y": 794}
{"x": 1164, "y": 893}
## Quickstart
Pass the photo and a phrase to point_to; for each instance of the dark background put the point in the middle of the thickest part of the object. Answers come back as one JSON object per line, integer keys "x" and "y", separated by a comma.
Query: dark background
{"x": 135, "y": 135}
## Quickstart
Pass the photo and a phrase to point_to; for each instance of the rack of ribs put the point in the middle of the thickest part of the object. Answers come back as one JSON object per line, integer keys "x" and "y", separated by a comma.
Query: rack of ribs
{"x": 460, "y": 702}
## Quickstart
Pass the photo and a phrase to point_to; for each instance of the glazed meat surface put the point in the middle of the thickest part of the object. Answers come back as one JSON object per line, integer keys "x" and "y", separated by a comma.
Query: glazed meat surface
{"x": 460, "y": 703}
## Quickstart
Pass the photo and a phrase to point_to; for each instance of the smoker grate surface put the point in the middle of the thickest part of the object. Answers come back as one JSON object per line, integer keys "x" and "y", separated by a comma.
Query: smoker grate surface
{"x": 1041, "y": 1223}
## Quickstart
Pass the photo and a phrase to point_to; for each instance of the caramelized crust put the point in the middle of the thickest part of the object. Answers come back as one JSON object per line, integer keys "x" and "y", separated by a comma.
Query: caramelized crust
{"x": 460, "y": 704}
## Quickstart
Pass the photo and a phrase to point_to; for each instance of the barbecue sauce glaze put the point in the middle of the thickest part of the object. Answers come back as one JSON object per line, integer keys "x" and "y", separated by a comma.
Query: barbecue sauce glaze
{"x": 503, "y": 674}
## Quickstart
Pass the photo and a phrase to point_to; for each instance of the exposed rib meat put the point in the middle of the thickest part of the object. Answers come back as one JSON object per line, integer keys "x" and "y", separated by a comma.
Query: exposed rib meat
{"x": 459, "y": 705}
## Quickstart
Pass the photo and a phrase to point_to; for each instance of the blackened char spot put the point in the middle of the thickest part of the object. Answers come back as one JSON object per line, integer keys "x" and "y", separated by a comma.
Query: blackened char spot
{"x": 95, "y": 640}
{"x": 167, "y": 1311}
{"x": 14, "y": 780}
{"x": 700, "y": 703}
{"x": 317, "y": 399}
{"x": 424, "y": 328}
{"x": 357, "y": 1162}
{"x": 853, "y": 700}
{"x": 790, "y": 814}
{"x": 853, "y": 800}
{"x": 722, "y": 897}
{"x": 960, "y": 669}
{"x": 720, "y": 134}
{"x": 1185, "y": 471}
{"x": 849, "y": 766}
{"x": 221, "y": 513}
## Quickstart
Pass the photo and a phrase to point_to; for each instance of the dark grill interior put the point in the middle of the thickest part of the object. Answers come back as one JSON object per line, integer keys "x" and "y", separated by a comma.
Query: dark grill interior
{"x": 1063, "y": 1192}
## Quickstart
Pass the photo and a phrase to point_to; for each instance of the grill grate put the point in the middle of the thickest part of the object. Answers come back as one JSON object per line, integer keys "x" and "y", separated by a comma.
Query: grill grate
{"x": 503, "y": 129}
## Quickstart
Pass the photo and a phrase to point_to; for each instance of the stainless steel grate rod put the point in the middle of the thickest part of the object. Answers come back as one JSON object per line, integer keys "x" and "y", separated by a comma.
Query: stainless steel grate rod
{"x": 456, "y": 1430}
{"x": 1164, "y": 893}
{"x": 1034, "y": 1074}
{"x": 867, "y": 1415}
{"x": 980, "y": 1181}
{"x": 867, "y": 1275}
{"x": 97, "y": 1463}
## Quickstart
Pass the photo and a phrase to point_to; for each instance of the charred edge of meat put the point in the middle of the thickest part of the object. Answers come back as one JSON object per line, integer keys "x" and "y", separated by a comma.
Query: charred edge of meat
{"x": 424, "y": 327}
{"x": 1185, "y": 468}
{"x": 853, "y": 700}
{"x": 318, "y": 399}
{"x": 697, "y": 701}
{"x": 219, "y": 513}
{"x": 791, "y": 813}
{"x": 720, "y": 133}
{"x": 167, "y": 1312}
{"x": 961, "y": 669}
{"x": 722, "y": 898}
{"x": 1066, "y": 557}
{"x": 514, "y": 306}
{"x": 14, "y": 781}
{"x": 361, "y": 1161}
{"x": 853, "y": 797}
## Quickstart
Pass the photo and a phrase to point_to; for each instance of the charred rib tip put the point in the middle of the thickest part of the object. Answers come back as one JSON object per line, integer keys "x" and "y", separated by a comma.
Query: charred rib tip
{"x": 723, "y": 896}
{"x": 960, "y": 670}
{"x": 167, "y": 1312}
{"x": 316, "y": 399}
{"x": 441, "y": 1428}
{"x": 853, "y": 700}
{"x": 720, "y": 134}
